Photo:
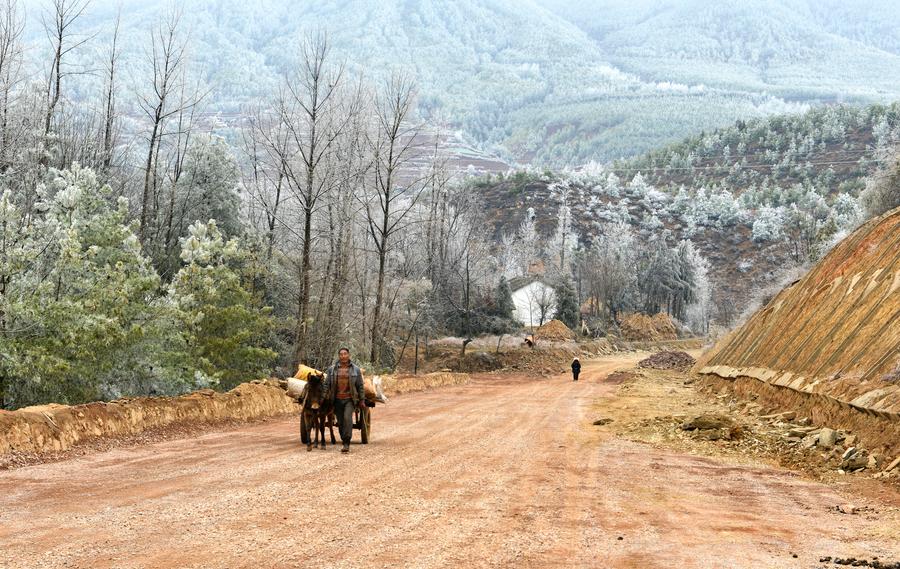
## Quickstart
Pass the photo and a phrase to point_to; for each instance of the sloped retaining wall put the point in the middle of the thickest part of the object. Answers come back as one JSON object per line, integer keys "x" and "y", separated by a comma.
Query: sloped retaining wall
{"x": 835, "y": 332}
{"x": 828, "y": 346}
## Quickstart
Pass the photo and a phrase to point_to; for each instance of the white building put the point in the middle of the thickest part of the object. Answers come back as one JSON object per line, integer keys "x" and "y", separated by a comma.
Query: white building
{"x": 535, "y": 300}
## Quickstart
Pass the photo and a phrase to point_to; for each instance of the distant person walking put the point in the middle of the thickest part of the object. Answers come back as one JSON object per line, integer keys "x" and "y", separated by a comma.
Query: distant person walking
{"x": 345, "y": 388}
{"x": 576, "y": 369}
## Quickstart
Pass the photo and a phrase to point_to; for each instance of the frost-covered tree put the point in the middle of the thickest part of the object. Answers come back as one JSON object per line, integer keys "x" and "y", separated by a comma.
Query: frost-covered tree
{"x": 609, "y": 270}
{"x": 613, "y": 185}
{"x": 768, "y": 224}
{"x": 846, "y": 212}
{"x": 664, "y": 279}
{"x": 206, "y": 187}
{"x": 882, "y": 192}
{"x": 638, "y": 187}
{"x": 565, "y": 238}
{"x": 225, "y": 323}
{"x": 508, "y": 256}
{"x": 805, "y": 227}
{"x": 525, "y": 247}
{"x": 81, "y": 318}
{"x": 724, "y": 209}
{"x": 698, "y": 313}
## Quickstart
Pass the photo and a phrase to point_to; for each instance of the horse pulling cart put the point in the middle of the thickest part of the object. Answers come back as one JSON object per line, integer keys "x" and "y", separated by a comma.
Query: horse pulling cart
{"x": 362, "y": 416}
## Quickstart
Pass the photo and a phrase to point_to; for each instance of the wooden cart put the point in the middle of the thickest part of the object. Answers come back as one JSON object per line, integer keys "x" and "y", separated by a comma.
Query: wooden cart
{"x": 363, "y": 421}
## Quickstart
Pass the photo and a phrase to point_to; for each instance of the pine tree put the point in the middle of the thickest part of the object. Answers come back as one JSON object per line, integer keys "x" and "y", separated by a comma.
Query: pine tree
{"x": 225, "y": 324}
{"x": 503, "y": 300}
{"x": 567, "y": 309}
{"x": 80, "y": 315}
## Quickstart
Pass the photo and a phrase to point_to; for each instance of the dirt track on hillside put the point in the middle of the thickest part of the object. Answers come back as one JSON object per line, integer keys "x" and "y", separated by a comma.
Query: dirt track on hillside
{"x": 505, "y": 472}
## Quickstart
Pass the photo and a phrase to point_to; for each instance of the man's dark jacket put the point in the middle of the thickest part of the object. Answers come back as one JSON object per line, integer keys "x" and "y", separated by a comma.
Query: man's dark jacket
{"x": 357, "y": 389}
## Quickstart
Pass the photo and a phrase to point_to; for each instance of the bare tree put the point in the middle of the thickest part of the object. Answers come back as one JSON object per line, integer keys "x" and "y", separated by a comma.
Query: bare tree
{"x": 311, "y": 112}
{"x": 341, "y": 213}
{"x": 464, "y": 261}
{"x": 12, "y": 25}
{"x": 440, "y": 217}
{"x": 265, "y": 145}
{"x": 182, "y": 135}
{"x": 109, "y": 104}
{"x": 393, "y": 147}
{"x": 167, "y": 59}
{"x": 58, "y": 24}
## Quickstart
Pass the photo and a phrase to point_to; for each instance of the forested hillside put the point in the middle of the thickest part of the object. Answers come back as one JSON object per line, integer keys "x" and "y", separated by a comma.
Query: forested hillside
{"x": 556, "y": 83}
{"x": 796, "y": 49}
{"x": 832, "y": 148}
{"x": 757, "y": 199}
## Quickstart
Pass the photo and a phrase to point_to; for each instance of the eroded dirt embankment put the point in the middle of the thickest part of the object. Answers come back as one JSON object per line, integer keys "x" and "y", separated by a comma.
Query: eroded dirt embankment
{"x": 56, "y": 428}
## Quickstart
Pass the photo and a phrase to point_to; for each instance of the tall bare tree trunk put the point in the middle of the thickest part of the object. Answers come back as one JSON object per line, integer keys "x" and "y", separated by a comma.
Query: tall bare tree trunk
{"x": 392, "y": 150}
{"x": 64, "y": 14}
{"x": 110, "y": 106}
{"x": 167, "y": 60}
{"x": 310, "y": 114}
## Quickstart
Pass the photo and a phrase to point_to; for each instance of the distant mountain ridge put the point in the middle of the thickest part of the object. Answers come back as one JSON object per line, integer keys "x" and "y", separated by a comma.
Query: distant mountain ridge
{"x": 550, "y": 82}
{"x": 793, "y": 48}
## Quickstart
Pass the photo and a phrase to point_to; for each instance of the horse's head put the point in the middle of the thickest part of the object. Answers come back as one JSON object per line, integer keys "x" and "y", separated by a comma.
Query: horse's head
{"x": 315, "y": 389}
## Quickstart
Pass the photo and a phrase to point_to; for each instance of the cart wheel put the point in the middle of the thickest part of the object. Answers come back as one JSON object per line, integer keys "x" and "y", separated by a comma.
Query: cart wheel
{"x": 365, "y": 424}
{"x": 304, "y": 432}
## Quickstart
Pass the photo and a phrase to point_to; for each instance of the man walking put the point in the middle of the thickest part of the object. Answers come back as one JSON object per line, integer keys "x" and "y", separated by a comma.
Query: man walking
{"x": 346, "y": 390}
{"x": 576, "y": 369}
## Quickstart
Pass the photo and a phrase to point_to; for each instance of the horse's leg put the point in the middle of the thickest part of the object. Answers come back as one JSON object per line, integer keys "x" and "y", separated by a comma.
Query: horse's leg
{"x": 308, "y": 427}
{"x": 320, "y": 424}
{"x": 331, "y": 420}
{"x": 315, "y": 426}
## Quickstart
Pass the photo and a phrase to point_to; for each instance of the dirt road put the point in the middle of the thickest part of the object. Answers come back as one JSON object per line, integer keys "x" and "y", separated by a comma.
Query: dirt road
{"x": 505, "y": 472}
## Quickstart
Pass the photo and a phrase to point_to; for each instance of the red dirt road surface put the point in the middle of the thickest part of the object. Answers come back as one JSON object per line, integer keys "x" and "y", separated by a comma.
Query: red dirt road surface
{"x": 505, "y": 472}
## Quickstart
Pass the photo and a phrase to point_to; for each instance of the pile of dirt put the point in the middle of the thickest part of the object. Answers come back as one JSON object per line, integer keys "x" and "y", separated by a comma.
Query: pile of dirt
{"x": 619, "y": 377}
{"x": 399, "y": 384}
{"x": 828, "y": 343}
{"x": 639, "y": 327}
{"x": 474, "y": 362}
{"x": 544, "y": 359}
{"x": 680, "y": 361}
{"x": 57, "y": 428}
{"x": 554, "y": 331}
{"x": 665, "y": 327}
{"x": 552, "y": 359}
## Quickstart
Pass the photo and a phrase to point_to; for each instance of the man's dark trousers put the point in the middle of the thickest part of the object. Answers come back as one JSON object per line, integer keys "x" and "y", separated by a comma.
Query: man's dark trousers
{"x": 343, "y": 410}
